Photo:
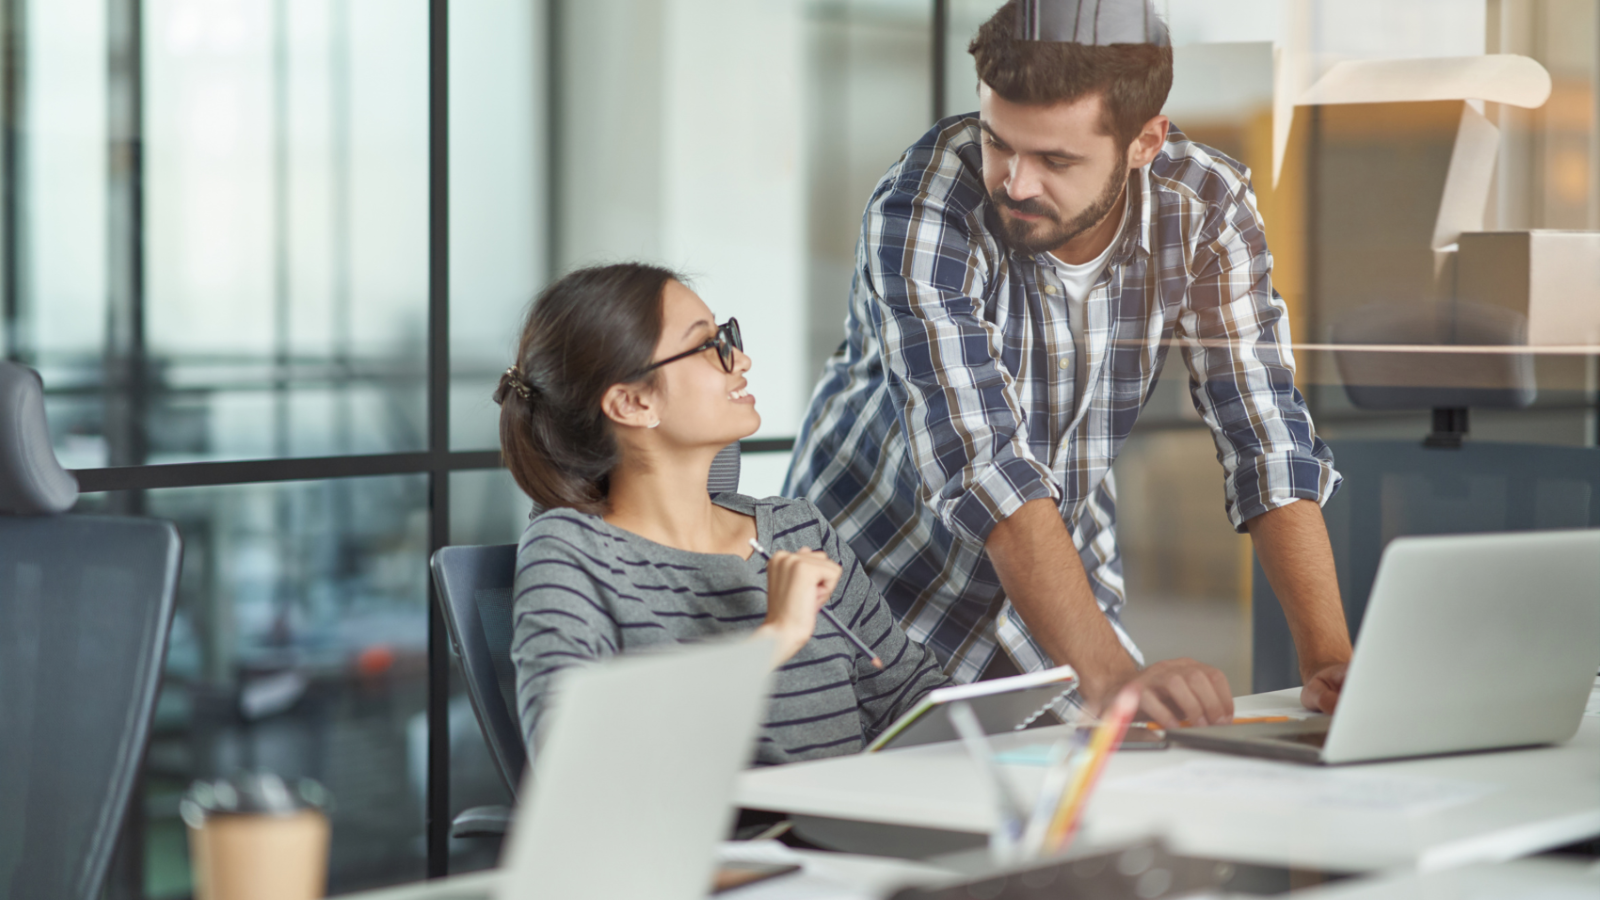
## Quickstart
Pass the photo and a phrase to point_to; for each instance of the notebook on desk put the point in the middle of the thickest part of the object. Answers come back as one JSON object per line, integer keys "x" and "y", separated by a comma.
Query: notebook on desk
{"x": 1470, "y": 642}
{"x": 1001, "y": 704}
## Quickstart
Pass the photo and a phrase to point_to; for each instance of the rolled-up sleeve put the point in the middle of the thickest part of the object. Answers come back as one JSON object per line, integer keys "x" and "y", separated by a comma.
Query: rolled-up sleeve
{"x": 956, "y": 403}
{"x": 1235, "y": 338}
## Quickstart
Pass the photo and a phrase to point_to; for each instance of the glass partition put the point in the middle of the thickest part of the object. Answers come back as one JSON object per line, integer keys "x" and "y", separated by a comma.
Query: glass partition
{"x": 299, "y": 646}
{"x": 1396, "y": 333}
{"x": 223, "y": 246}
{"x": 216, "y": 240}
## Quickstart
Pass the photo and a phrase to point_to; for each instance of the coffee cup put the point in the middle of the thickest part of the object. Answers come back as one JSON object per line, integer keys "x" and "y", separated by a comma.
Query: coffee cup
{"x": 255, "y": 837}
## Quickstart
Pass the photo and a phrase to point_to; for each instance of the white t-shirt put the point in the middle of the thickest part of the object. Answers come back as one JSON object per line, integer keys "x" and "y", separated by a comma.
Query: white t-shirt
{"x": 1077, "y": 281}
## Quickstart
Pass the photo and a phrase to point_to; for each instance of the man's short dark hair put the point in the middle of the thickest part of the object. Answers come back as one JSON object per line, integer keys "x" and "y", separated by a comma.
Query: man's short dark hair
{"x": 1132, "y": 79}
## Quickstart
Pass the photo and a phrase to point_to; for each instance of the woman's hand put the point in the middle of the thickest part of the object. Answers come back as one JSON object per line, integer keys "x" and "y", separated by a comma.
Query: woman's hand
{"x": 798, "y": 584}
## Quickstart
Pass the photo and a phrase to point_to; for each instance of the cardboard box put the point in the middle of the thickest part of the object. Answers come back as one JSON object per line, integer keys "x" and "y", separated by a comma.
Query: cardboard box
{"x": 1469, "y": 80}
{"x": 1406, "y": 311}
{"x": 1551, "y": 277}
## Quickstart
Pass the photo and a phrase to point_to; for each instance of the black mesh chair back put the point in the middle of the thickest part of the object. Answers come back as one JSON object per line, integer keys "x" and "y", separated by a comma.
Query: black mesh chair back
{"x": 85, "y": 606}
{"x": 1393, "y": 379}
{"x": 724, "y": 470}
{"x": 474, "y": 585}
{"x": 1396, "y": 488}
{"x": 474, "y": 588}
{"x": 32, "y": 482}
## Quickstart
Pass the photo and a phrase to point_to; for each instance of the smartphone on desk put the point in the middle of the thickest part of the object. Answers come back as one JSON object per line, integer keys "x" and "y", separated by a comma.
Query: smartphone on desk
{"x": 1136, "y": 738}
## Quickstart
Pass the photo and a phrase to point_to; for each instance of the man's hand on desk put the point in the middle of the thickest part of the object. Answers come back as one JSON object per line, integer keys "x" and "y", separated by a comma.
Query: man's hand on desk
{"x": 1172, "y": 691}
{"x": 1043, "y": 576}
{"x": 1292, "y": 544}
{"x": 1321, "y": 691}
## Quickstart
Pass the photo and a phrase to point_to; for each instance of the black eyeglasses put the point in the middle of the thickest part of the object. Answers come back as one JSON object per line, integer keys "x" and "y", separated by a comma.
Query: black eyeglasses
{"x": 726, "y": 340}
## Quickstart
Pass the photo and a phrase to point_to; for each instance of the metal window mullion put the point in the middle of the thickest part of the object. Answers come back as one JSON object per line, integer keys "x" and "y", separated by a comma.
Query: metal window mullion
{"x": 126, "y": 373}
{"x": 554, "y": 113}
{"x": 12, "y": 73}
{"x": 939, "y": 28}
{"x": 437, "y": 820}
{"x": 259, "y": 471}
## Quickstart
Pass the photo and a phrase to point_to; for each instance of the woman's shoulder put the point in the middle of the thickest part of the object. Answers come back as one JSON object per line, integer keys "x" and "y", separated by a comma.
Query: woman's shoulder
{"x": 568, "y": 531}
{"x": 788, "y": 508}
{"x": 790, "y": 519}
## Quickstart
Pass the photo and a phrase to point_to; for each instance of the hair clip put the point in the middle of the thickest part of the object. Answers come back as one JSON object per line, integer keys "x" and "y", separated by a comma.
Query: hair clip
{"x": 519, "y": 384}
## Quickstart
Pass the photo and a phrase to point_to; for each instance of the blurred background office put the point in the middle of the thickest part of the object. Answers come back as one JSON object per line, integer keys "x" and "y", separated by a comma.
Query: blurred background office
{"x": 219, "y": 220}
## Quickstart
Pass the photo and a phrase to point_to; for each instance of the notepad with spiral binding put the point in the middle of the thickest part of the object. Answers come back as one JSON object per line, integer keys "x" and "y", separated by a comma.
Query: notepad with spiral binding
{"x": 1003, "y": 704}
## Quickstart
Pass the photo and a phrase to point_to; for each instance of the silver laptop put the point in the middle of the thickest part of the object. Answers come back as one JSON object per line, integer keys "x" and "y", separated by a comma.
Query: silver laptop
{"x": 1470, "y": 642}
{"x": 632, "y": 790}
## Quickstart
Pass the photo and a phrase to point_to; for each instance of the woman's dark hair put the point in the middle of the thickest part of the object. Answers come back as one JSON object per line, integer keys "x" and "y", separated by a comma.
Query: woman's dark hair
{"x": 1133, "y": 79}
{"x": 586, "y": 332}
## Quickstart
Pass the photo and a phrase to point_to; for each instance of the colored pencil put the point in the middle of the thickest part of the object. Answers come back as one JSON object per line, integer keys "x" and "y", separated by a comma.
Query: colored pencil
{"x": 1064, "y": 824}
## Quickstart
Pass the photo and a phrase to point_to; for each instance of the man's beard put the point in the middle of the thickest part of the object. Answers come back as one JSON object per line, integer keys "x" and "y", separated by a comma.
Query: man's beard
{"x": 1042, "y": 237}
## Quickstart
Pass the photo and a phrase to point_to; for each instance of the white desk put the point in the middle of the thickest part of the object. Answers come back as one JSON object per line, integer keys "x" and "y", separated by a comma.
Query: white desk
{"x": 1524, "y": 879}
{"x": 1542, "y": 798}
{"x": 825, "y": 876}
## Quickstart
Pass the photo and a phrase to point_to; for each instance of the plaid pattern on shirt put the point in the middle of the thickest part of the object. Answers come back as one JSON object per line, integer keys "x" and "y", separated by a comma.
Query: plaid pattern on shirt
{"x": 951, "y": 402}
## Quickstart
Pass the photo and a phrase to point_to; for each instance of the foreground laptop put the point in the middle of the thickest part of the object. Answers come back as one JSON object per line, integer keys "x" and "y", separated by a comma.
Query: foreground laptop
{"x": 1470, "y": 642}
{"x": 632, "y": 789}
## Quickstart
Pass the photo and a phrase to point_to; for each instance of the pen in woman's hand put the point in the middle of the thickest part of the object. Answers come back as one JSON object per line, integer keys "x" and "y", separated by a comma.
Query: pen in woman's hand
{"x": 876, "y": 662}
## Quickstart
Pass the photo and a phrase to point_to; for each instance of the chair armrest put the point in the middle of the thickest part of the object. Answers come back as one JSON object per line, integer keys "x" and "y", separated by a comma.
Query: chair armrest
{"x": 481, "y": 820}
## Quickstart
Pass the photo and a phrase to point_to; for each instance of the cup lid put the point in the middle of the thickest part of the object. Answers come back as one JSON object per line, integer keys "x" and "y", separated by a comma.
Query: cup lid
{"x": 251, "y": 793}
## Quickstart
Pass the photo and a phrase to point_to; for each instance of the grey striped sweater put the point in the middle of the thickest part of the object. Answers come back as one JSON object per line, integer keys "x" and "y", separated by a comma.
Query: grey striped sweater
{"x": 586, "y": 590}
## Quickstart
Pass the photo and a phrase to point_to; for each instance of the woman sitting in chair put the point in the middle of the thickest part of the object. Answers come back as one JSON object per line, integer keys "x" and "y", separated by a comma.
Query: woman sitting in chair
{"x": 623, "y": 391}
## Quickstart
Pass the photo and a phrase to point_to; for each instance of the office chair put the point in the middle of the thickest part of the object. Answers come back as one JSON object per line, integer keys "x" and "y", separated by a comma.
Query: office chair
{"x": 85, "y": 605}
{"x": 474, "y": 590}
{"x": 1441, "y": 484}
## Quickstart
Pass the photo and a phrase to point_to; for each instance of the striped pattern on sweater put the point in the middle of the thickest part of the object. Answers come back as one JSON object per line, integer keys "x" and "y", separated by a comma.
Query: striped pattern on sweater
{"x": 586, "y": 590}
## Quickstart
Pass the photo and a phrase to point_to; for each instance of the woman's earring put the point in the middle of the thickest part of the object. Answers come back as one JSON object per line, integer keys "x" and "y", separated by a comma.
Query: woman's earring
{"x": 653, "y": 423}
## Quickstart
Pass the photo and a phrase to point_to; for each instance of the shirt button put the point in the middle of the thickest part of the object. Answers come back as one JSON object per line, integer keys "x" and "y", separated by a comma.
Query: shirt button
{"x": 1050, "y": 289}
{"x": 1000, "y": 621}
{"x": 1063, "y": 363}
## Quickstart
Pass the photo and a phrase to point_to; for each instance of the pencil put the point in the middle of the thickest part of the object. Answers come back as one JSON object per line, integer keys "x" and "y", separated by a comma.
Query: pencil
{"x": 860, "y": 644}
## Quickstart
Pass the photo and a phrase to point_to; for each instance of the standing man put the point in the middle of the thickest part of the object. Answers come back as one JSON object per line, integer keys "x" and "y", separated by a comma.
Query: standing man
{"x": 1020, "y": 278}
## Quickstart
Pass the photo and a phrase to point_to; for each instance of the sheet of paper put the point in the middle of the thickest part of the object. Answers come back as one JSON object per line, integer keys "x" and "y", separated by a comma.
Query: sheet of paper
{"x": 1538, "y": 892}
{"x": 1286, "y": 784}
{"x": 1029, "y": 755}
{"x": 1293, "y": 712}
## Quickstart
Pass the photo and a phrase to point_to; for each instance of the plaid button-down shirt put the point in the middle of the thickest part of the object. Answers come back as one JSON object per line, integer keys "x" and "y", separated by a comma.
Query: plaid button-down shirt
{"x": 952, "y": 400}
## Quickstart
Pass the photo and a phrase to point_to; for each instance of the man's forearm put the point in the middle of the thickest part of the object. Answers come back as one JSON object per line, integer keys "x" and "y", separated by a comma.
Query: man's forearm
{"x": 1044, "y": 579}
{"x": 1292, "y": 544}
